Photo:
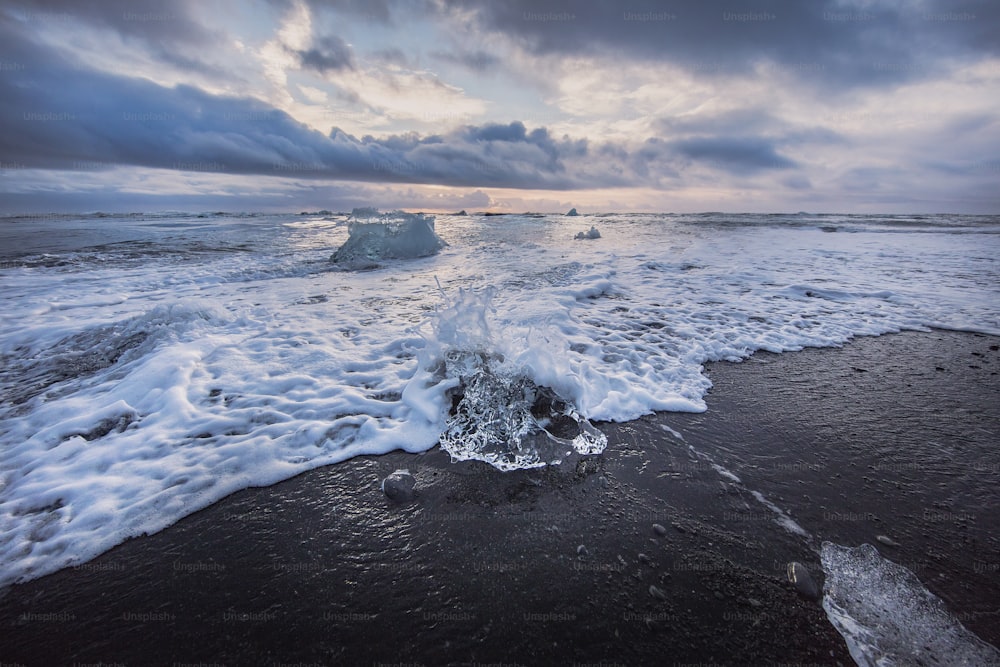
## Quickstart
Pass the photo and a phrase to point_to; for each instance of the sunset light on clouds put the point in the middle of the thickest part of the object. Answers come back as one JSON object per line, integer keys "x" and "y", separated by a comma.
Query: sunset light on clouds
{"x": 434, "y": 105}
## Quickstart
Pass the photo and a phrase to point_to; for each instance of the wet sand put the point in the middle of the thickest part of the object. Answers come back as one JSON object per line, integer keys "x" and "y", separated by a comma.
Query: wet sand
{"x": 897, "y": 435}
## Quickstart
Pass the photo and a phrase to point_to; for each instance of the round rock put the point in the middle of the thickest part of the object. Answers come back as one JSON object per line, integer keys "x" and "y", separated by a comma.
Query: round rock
{"x": 803, "y": 581}
{"x": 399, "y": 486}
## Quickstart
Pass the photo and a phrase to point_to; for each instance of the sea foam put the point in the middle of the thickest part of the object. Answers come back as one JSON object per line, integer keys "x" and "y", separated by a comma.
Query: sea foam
{"x": 144, "y": 379}
{"x": 505, "y": 410}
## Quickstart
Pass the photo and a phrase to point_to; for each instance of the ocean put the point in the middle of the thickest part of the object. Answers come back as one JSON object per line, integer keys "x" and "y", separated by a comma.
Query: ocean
{"x": 153, "y": 364}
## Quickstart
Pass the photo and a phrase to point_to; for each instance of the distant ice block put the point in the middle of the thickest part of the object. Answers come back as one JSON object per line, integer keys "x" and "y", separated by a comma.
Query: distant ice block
{"x": 592, "y": 234}
{"x": 572, "y": 211}
{"x": 374, "y": 236}
{"x": 887, "y": 617}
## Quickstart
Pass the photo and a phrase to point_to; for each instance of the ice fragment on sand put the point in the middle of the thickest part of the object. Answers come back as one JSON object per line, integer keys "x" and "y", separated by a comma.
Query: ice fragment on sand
{"x": 887, "y": 617}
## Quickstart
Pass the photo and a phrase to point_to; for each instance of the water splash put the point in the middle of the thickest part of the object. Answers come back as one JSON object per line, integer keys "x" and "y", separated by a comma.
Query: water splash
{"x": 499, "y": 412}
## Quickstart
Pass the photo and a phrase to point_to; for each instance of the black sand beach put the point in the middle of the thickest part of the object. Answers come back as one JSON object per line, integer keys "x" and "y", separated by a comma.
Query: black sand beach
{"x": 896, "y": 436}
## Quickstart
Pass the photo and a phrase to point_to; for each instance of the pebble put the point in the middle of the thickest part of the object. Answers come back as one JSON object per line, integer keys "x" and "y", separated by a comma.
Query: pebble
{"x": 657, "y": 593}
{"x": 643, "y": 558}
{"x": 659, "y": 530}
{"x": 582, "y": 551}
{"x": 399, "y": 486}
{"x": 804, "y": 584}
{"x": 886, "y": 540}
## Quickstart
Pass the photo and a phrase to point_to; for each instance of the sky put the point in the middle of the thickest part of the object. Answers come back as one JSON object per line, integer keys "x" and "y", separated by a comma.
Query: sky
{"x": 523, "y": 105}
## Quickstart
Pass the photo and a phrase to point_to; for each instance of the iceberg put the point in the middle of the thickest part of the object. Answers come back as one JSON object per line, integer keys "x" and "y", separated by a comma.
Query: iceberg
{"x": 374, "y": 236}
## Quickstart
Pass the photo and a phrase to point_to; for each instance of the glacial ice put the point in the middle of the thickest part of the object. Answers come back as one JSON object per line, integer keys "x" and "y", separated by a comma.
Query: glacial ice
{"x": 500, "y": 413}
{"x": 887, "y": 617}
{"x": 375, "y": 236}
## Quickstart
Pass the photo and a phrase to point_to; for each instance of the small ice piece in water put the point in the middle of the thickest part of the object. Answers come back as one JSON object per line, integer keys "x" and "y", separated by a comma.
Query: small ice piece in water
{"x": 887, "y": 617}
{"x": 504, "y": 418}
{"x": 498, "y": 412}
{"x": 572, "y": 211}
{"x": 887, "y": 541}
{"x": 799, "y": 575}
{"x": 399, "y": 486}
{"x": 374, "y": 236}
{"x": 592, "y": 234}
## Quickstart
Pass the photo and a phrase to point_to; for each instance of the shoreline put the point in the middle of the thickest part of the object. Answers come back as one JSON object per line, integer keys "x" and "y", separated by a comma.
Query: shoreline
{"x": 485, "y": 566}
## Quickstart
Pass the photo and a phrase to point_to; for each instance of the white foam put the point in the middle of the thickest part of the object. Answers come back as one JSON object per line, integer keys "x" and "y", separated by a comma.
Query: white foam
{"x": 512, "y": 392}
{"x": 726, "y": 473}
{"x": 672, "y": 432}
{"x": 780, "y": 516}
{"x": 887, "y": 617}
{"x": 141, "y": 383}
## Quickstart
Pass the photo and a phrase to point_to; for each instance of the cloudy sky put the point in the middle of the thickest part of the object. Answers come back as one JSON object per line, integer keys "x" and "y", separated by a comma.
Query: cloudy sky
{"x": 627, "y": 105}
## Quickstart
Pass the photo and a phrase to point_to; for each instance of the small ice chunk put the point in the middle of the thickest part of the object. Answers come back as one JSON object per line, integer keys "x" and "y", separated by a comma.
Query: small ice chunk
{"x": 887, "y": 541}
{"x": 887, "y": 617}
{"x": 592, "y": 234}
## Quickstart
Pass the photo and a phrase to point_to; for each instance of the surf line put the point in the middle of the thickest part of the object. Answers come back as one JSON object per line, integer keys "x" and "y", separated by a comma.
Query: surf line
{"x": 781, "y": 517}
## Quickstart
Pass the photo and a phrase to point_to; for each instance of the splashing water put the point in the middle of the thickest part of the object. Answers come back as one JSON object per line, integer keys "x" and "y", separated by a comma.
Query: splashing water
{"x": 499, "y": 413}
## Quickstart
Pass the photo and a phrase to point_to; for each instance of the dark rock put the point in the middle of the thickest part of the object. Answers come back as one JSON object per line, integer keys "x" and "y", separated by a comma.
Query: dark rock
{"x": 803, "y": 581}
{"x": 399, "y": 486}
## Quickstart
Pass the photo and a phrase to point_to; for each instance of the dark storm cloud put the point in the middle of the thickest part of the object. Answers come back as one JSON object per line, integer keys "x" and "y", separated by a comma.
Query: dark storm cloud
{"x": 740, "y": 142}
{"x": 159, "y": 22}
{"x": 377, "y": 11}
{"x": 477, "y": 61}
{"x": 329, "y": 53}
{"x": 51, "y": 118}
{"x": 165, "y": 29}
{"x": 827, "y": 42}
{"x": 737, "y": 155}
{"x": 55, "y": 116}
